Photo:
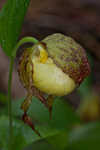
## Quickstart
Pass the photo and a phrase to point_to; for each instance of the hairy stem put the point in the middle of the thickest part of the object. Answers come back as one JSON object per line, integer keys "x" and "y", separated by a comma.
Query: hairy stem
{"x": 21, "y": 42}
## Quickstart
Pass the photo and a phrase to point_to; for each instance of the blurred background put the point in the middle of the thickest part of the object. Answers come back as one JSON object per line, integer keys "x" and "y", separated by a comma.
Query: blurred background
{"x": 79, "y": 19}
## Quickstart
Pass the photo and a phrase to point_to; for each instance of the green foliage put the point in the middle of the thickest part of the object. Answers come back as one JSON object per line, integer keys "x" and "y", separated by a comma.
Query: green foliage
{"x": 62, "y": 116}
{"x": 11, "y": 19}
{"x": 54, "y": 131}
{"x": 22, "y": 135}
{"x": 60, "y": 140}
{"x": 40, "y": 145}
{"x": 63, "y": 132}
{"x": 85, "y": 137}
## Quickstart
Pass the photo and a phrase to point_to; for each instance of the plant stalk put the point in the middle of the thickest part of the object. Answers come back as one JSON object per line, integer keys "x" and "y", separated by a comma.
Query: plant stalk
{"x": 10, "y": 103}
{"x": 21, "y": 42}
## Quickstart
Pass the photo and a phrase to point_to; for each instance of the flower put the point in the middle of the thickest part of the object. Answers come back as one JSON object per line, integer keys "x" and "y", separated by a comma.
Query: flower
{"x": 53, "y": 67}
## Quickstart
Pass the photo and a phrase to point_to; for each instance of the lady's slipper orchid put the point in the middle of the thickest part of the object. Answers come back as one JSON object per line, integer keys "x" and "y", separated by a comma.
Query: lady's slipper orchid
{"x": 53, "y": 67}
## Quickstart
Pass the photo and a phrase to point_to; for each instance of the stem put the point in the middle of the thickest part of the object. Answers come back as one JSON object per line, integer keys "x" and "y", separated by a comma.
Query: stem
{"x": 22, "y": 41}
{"x": 10, "y": 103}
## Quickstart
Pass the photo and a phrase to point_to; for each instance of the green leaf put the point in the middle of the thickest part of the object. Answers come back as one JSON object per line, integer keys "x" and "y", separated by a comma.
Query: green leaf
{"x": 62, "y": 116}
{"x": 85, "y": 137}
{"x": 11, "y": 19}
{"x": 60, "y": 140}
{"x": 40, "y": 145}
{"x": 55, "y": 131}
{"x": 22, "y": 135}
{"x": 55, "y": 142}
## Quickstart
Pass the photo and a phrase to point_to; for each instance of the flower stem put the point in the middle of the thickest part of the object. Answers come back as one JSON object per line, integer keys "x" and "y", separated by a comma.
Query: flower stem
{"x": 21, "y": 42}
{"x": 10, "y": 103}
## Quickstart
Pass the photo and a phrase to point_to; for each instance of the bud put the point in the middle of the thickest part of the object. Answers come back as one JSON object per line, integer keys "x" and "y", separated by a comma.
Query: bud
{"x": 54, "y": 66}
{"x": 89, "y": 109}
